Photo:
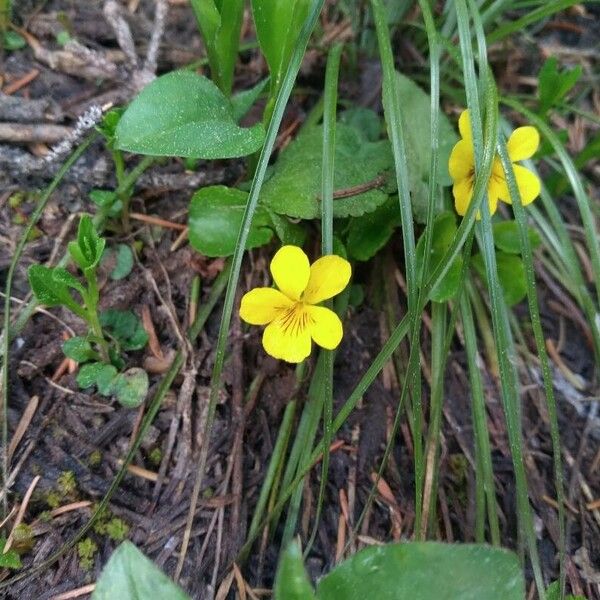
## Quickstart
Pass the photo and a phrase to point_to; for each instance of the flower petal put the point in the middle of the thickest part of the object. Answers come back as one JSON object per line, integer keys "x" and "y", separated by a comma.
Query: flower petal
{"x": 290, "y": 269}
{"x": 523, "y": 143}
{"x": 460, "y": 163}
{"x": 528, "y": 183}
{"x": 463, "y": 192}
{"x": 262, "y": 305}
{"x": 326, "y": 329}
{"x": 328, "y": 276}
{"x": 464, "y": 126}
{"x": 291, "y": 344}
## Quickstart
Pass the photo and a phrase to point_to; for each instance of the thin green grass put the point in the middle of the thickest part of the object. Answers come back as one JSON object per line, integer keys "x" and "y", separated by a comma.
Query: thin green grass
{"x": 252, "y": 203}
{"x": 540, "y": 343}
{"x": 154, "y": 405}
{"x": 328, "y": 170}
{"x": 6, "y": 336}
{"x": 504, "y": 345}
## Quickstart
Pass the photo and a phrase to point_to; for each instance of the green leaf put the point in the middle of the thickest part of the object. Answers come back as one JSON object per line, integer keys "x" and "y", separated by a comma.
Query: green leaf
{"x": 124, "y": 258}
{"x": 13, "y": 41}
{"x": 50, "y": 292}
{"x": 9, "y": 559}
{"x": 184, "y": 114}
{"x": 365, "y": 120}
{"x": 287, "y": 231}
{"x": 131, "y": 387}
{"x": 278, "y": 24}
{"x": 506, "y": 237}
{"x": 416, "y": 107}
{"x": 89, "y": 247}
{"x": 243, "y": 101}
{"x": 554, "y": 85}
{"x": 511, "y": 273}
{"x": 369, "y": 233}
{"x": 88, "y": 374}
{"x": 553, "y": 593}
{"x": 215, "y": 217}
{"x": 124, "y": 326}
{"x": 295, "y": 185}
{"x": 291, "y": 581}
{"x": 426, "y": 571}
{"x": 220, "y": 23}
{"x": 444, "y": 228}
{"x": 105, "y": 380}
{"x": 79, "y": 349}
{"x": 107, "y": 200}
{"x": 63, "y": 277}
{"x": 131, "y": 576}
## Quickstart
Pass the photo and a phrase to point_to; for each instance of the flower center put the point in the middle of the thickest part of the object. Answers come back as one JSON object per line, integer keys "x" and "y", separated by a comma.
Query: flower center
{"x": 295, "y": 319}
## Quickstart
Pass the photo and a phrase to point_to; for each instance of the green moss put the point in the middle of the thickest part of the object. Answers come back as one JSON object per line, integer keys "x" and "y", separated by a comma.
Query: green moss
{"x": 86, "y": 550}
{"x": 66, "y": 484}
{"x": 95, "y": 458}
{"x": 155, "y": 456}
{"x": 53, "y": 499}
{"x": 45, "y": 516}
{"x": 117, "y": 529}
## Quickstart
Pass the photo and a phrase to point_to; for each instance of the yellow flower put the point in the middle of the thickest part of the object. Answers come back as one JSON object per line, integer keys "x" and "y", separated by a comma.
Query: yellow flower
{"x": 290, "y": 313}
{"x": 522, "y": 144}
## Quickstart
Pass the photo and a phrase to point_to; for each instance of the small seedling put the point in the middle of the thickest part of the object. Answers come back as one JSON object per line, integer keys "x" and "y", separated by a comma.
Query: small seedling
{"x": 109, "y": 333}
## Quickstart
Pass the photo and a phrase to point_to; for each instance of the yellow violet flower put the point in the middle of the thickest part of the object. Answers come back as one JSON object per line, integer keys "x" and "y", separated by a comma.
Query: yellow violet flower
{"x": 290, "y": 313}
{"x": 522, "y": 144}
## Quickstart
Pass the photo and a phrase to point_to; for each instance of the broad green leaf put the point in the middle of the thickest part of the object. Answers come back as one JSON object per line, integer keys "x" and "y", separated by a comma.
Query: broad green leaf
{"x": 124, "y": 262}
{"x": 106, "y": 379}
{"x": 13, "y": 40}
{"x": 416, "y": 107}
{"x": 243, "y": 101}
{"x": 511, "y": 273}
{"x": 124, "y": 326}
{"x": 129, "y": 575}
{"x": 291, "y": 581}
{"x": 287, "y": 231}
{"x": 89, "y": 247}
{"x": 220, "y": 25}
{"x": 444, "y": 228}
{"x": 365, "y": 120}
{"x": 107, "y": 200}
{"x": 426, "y": 571}
{"x": 278, "y": 24}
{"x": 88, "y": 374}
{"x": 371, "y": 232}
{"x": 62, "y": 276}
{"x": 184, "y": 114}
{"x": 9, "y": 559}
{"x": 131, "y": 387}
{"x": 50, "y": 292}
{"x": 295, "y": 185}
{"x": 554, "y": 85}
{"x": 506, "y": 237}
{"x": 215, "y": 217}
{"x": 79, "y": 349}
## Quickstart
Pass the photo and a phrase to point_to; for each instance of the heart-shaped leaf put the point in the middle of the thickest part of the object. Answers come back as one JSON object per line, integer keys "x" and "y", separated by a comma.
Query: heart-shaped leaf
{"x": 444, "y": 228}
{"x": 215, "y": 217}
{"x": 511, "y": 273}
{"x": 79, "y": 349}
{"x": 129, "y": 575}
{"x": 131, "y": 387}
{"x": 184, "y": 114}
{"x": 425, "y": 571}
{"x": 295, "y": 186}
